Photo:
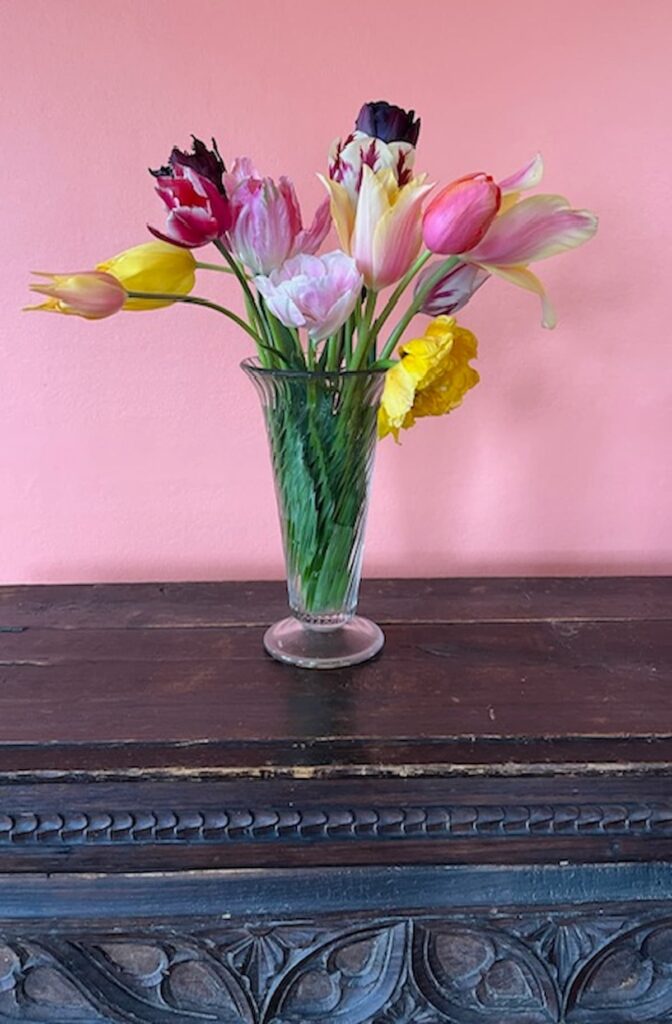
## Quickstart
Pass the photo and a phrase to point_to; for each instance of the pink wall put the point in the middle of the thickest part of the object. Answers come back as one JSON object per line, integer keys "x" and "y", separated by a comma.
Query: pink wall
{"x": 133, "y": 449}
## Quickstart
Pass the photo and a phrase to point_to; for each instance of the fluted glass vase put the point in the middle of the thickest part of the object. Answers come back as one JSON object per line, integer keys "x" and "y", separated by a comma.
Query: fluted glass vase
{"x": 322, "y": 434}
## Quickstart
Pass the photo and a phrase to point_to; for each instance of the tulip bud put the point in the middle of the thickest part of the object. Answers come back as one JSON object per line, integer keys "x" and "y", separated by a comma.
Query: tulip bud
{"x": 453, "y": 291}
{"x": 459, "y": 216}
{"x": 90, "y": 294}
{"x": 388, "y": 123}
{"x": 153, "y": 267}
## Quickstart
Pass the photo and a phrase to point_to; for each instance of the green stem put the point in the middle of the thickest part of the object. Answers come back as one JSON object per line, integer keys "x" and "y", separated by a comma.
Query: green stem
{"x": 416, "y": 305}
{"x": 242, "y": 280}
{"x": 400, "y": 289}
{"x": 362, "y": 350}
{"x": 213, "y": 266}
{"x": 194, "y": 300}
{"x": 347, "y": 339}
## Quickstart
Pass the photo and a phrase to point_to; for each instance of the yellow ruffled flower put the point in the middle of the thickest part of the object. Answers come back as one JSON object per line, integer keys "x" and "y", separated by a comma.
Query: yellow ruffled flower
{"x": 431, "y": 378}
{"x": 153, "y": 267}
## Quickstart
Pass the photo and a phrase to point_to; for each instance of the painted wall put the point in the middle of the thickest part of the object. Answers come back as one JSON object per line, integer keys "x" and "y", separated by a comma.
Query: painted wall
{"x": 133, "y": 449}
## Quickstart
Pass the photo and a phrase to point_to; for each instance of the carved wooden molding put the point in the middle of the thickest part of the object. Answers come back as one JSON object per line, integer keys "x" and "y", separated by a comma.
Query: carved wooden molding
{"x": 335, "y": 823}
{"x": 559, "y": 968}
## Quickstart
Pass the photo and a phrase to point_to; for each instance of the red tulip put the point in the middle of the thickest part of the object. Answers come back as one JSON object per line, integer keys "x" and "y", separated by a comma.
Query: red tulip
{"x": 191, "y": 186}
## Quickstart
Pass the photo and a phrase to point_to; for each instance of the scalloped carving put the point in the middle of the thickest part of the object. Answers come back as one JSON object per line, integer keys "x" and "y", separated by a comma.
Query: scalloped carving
{"x": 228, "y": 825}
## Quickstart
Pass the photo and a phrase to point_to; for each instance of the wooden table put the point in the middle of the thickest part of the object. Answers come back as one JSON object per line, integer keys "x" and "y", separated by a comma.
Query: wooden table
{"x": 474, "y": 828}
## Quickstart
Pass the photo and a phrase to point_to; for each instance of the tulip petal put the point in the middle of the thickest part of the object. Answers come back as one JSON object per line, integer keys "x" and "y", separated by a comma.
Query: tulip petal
{"x": 153, "y": 267}
{"x": 527, "y": 177}
{"x": 534, "y": 229}
{"x": 373, "y": 203}
{"x": 316, "y": 292}
{"x": 524, "y": 278}
{"x": 398, "y": 235}
{"x": 342, "y": 211}
{"x": 310, "y": 239}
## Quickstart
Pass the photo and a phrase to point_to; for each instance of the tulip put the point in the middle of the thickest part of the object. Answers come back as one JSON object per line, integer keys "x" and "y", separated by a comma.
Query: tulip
{"x": 527, "y": 177}
{"x": 383, "y": 230}
{"x": 453, "y": 291}
{"x": 385, "y": 137}
{"x": 534, "y": 229}
{"x": 267, "y": 227}
{"x": 384, "y": 121}
{"x": 459, "y": 216}
{"x": 191, "y": 186}
{"x": 316, "y": 292}
{"x": 530, "y": 230}
{"x": 90, "y": 294}
{"x": 153, "y": 267}
{"x": 207, "y": 163}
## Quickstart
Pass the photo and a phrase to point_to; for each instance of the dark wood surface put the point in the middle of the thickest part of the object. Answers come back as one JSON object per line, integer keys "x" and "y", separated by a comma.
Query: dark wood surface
{"x": 494, "y": 672}
{"x": 475, "y": 828}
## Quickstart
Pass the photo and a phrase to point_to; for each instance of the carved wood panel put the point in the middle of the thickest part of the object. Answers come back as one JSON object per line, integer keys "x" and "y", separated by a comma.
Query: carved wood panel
{"x": 557, "y": 968}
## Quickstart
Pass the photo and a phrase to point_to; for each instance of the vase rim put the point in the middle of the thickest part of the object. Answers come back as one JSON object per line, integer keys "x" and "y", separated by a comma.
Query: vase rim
{"x": 251, "y": 365}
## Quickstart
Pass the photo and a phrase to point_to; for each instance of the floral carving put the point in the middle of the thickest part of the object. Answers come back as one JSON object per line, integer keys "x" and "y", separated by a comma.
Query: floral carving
{"x": 563, "y": 968}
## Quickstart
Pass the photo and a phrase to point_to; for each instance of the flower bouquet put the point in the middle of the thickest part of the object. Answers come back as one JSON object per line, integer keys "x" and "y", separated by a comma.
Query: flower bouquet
{"x": 332, "y": 365}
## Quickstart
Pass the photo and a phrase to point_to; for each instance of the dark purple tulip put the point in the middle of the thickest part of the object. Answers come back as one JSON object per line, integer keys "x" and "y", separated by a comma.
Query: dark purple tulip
{"x": 388, "y": 123}
{"x": 207, "y": 163}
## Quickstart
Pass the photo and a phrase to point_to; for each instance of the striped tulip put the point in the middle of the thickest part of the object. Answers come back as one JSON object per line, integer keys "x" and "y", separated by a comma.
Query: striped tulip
{"x": 382, "y": 228}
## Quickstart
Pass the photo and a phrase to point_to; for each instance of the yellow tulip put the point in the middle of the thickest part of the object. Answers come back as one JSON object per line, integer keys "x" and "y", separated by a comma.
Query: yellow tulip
{"x": 431, "y": 378}
{"x": 153, "y": 267}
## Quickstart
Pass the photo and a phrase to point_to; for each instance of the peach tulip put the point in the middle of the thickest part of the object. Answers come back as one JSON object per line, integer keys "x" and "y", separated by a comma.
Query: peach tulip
{"x": 89, "y": 293}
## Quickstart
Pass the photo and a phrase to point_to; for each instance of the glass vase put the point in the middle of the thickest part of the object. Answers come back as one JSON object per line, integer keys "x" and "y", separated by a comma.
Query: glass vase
{"x": 322, "y": 435}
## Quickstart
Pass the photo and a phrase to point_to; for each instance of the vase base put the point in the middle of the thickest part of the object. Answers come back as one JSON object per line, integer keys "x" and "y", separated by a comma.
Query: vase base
{"x": 355, "y": 641}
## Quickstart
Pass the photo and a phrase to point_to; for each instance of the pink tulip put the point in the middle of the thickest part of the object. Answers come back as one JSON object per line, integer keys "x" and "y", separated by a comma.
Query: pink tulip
{"x": 459, "y": 216}
{"x": 89, "y": 293}
{"x": 453, "y": 291}
{"x": 316, "y": 292}
{"x": 267, "y": 227}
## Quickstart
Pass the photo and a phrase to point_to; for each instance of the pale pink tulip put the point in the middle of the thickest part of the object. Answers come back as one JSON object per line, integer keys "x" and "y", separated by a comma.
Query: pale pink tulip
{"x": 527, "y": 177}
{"x": 316, "y": 292}
{"x": 267, "y": 227}
{"x": 533, "y": 229}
